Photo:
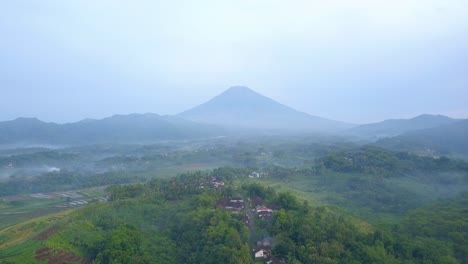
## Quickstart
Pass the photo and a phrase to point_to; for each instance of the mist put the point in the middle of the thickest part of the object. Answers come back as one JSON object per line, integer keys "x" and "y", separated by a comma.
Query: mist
{"x": 264, "y": 131}
{"x": 353, "y": 61}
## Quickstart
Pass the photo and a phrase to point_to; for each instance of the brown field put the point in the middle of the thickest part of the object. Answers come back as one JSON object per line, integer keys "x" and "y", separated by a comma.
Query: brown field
{"x": 44, "y": 235}
{"x": 58, "y": 256}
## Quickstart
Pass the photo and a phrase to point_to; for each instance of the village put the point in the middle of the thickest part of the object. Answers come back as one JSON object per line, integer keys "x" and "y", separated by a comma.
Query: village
{"x": 251, "y": 210}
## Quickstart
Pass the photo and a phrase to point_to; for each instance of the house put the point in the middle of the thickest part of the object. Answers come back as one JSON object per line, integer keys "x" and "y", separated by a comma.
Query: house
{"x": 236, "y": 200}
{"x": 265, "y": 215}
{"x": 262, "y": 208}
{"x": 254, "y": 175}
{"x": 264, "y": 212}
{"x": 235, "y": 204}
{"x": 216, "y": 183}
{"x": 261, "y": 253}
{"x": 231, "y": 204}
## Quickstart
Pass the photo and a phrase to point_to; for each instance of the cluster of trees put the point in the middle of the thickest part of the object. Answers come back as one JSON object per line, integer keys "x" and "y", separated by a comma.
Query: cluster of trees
{"x": 387, "y": 181}
{"x": 321, "y": 236}
{"x": 383, "y": 162}
{"x": 372, "y": 180}
{"x": 170, "y": 189}
{"x": 205, "y": 235}
{"x": 446, "y": 221}
{"x": 304, "y": 234}
{"x": 163, "y": 221}
{"x": 38, "y": 158}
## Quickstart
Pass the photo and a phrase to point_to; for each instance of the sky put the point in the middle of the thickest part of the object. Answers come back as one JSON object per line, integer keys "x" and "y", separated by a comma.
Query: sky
{"x": 357, "y": 61}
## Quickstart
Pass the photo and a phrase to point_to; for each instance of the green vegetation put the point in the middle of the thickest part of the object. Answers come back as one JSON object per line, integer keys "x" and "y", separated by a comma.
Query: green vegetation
{"x": 386, "y": 163}
{"x": 373, "y": 183}
{"x": 332, "y": 204}
{"x": 159, "y": 222}
{"x": 65, "y": 180}
{"x": 446, "y": 221}
{"x": 175, "y": 221}
{"x": 20, "y": 253}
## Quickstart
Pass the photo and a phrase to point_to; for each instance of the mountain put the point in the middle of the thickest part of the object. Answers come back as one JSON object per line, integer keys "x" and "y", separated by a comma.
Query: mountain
{"x": 27, "y": 129}
{"x": 242, "y": 108}
{"x": 133, "y": 128}
{"x": 395, "y": 127}
{"x": 450, "y": 139}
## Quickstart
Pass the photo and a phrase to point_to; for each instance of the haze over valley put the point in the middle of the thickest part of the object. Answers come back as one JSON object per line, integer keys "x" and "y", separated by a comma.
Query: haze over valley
{"x": 125, "y": 136}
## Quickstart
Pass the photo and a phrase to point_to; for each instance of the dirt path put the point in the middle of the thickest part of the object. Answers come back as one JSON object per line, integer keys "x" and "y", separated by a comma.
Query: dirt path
{"x": 252, "y": 226}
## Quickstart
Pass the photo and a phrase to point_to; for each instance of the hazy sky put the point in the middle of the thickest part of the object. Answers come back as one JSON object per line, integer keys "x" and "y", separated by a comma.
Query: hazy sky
{"x": 351, "y": 60}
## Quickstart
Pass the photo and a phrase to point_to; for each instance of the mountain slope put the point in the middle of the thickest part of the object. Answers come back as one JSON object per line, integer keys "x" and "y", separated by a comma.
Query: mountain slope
{"x": 134, "y": 128}
{"x": 242, "y": 108}
{"x": 394, "y": 127}
{"x": 27, "y": 130}
{"x": 445, "y": 139}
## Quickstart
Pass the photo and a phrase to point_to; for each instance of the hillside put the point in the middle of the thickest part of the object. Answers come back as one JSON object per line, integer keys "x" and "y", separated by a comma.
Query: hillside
{"x": 242, "y": 108}
{"x": 176, "y": 221}
{"x": 395, "y": 127}
{"x": 443, "y": 140}
{"x": 134, "y": 128}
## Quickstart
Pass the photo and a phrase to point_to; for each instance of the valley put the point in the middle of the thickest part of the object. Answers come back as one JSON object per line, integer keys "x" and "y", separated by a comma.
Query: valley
{"x": 372, "y": 188}
{"x": 234, "y": 132}
{"x": 259, "y": 194}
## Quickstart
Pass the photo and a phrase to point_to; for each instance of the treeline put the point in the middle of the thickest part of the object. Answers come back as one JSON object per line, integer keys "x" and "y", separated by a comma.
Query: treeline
{"x": 376, "y": 160}
{"x": 305, "y": 234}
{"x": 373, "y": 180}
{"x": 38, "y": 158}
{"x": 64, "y": 180}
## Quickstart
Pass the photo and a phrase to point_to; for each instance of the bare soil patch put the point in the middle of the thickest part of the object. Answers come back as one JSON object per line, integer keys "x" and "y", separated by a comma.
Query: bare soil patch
{"x": 53, "y": 256}
{"x": 44, "y": 235}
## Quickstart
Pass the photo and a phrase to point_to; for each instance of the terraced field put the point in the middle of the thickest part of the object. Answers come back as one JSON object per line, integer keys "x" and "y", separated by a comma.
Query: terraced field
{"x": 27, "y": 221}
{"x": 20, "y": 253}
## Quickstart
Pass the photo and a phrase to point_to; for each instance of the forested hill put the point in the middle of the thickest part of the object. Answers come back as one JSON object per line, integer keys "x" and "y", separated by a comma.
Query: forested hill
{"x": 134, "y": 128}
{"x": 376, "y": 160}
{"x": 450, "y": 139}
{"x": 395, "y": 127}
{"x": 176, "y": 221}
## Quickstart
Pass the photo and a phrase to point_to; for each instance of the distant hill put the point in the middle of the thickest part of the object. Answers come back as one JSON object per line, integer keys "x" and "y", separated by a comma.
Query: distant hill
{"x": 28, "y": 130}
{"x": 134, "y": 128}
{"x": 444, "y": 140}
{"x": 395, "y": 127}
{"x": 242, "y": 108}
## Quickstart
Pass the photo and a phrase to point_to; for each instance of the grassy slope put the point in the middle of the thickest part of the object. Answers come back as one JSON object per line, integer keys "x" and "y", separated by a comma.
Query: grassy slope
{"x": 28, "y": 229}
{"x": 333, "y": 190}
{"x": 16, "y": 242}
{"x": 14, "y": 210}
